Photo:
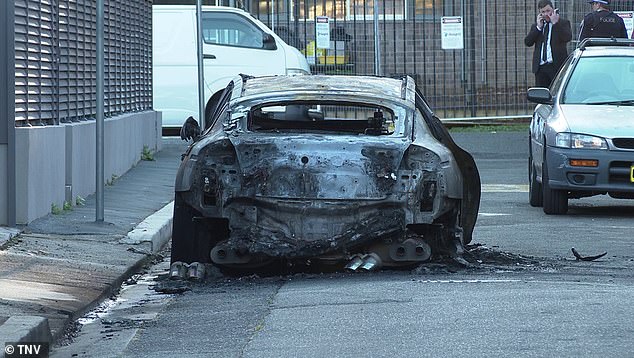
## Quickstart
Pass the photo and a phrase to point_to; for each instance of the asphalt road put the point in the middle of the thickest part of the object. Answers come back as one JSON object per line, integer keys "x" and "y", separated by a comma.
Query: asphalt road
{"x": 528, "y": 298}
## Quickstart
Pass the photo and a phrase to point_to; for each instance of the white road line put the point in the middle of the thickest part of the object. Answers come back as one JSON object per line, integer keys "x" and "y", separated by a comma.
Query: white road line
{"x": 468, "y": 281}
{"x": 504, "y": 188}
{"x": 493, "y": 214}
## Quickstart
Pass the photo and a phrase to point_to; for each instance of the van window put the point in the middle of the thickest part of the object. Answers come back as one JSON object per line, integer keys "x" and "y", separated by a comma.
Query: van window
{"x": 231, "y": 30}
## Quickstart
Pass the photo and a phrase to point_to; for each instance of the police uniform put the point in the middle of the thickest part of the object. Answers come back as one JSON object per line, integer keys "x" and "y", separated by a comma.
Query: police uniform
{"x": 602, "y": 23}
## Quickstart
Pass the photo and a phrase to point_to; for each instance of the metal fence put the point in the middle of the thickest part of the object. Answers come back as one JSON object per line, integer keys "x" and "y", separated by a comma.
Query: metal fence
{"x": 55, "y": 55}
{"x": 488, "y": 78}
{"x": 55, "y": 59}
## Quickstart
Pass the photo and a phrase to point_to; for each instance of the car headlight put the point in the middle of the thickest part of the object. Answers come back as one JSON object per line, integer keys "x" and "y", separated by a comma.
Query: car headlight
{"x": 579, "y": 141}
{"x": 296, "y": 71}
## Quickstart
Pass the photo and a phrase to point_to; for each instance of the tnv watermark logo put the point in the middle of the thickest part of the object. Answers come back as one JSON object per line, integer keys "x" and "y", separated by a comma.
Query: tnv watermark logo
{"x": 26, "y": 350}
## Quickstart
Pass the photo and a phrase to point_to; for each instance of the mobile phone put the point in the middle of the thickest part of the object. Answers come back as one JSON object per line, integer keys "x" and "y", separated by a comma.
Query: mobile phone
{"x": 557, "y": 11}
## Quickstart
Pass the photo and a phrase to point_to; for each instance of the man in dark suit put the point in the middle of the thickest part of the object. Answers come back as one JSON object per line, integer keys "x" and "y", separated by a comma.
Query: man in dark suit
{"x": 549, "y": 34}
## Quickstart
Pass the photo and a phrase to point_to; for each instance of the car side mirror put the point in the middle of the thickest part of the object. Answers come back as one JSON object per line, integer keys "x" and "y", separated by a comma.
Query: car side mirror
{"x": 268, "y": 42}
{"x": 540, "y": 95}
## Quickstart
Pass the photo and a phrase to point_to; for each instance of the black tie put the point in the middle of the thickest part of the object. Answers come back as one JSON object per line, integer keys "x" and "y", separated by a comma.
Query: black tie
{"x": 545, "y": 44}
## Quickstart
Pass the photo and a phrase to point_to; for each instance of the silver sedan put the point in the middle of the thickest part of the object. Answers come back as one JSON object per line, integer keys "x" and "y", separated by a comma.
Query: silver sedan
{"x": 582, "y": 131}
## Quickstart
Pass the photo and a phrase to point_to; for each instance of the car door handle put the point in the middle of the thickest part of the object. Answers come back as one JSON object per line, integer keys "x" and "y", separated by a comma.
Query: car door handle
{"x": 209, "y": 57}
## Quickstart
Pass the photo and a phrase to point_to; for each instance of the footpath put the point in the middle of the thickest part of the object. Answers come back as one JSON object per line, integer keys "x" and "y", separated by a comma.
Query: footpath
{"x": 60, "y": 266}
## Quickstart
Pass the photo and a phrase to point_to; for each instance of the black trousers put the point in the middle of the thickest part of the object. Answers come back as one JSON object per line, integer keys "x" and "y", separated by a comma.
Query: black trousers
{"x": 545, "y": 75}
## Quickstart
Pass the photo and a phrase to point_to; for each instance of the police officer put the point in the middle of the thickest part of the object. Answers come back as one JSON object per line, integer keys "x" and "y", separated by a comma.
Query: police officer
{"x": 602, "y": 22}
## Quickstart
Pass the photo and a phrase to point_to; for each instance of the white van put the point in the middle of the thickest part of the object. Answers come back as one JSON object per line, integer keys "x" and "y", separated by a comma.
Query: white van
{"x": 234, "y": 42}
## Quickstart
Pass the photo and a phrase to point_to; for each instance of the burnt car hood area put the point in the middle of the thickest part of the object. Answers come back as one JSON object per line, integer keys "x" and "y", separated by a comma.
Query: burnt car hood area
{"x": 341, "y": 170}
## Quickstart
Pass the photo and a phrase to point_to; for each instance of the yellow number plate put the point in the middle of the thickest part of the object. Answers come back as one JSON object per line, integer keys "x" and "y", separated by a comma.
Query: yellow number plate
{"x": 632, "y": 174}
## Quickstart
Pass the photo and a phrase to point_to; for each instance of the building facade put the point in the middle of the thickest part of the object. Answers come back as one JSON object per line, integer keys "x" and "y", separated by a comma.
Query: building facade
{"x": 47, "y": 142}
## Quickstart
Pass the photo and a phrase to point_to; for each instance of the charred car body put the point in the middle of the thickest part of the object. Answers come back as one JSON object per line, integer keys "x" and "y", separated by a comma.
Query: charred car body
{"x": 343, "y": 169}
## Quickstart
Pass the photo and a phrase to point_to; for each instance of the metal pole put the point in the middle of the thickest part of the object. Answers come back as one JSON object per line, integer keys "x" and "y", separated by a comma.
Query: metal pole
{"x": 483, "y": 44}
{"x": 201, "y": 68}
{"x": 472, "y": 56}
{"x": 273, "y": 15}
{"x": 99, "y": 209}
{"x": 7, "y": 104}
{"x": 377, "y": 48}
{"x": 463, "y": 13}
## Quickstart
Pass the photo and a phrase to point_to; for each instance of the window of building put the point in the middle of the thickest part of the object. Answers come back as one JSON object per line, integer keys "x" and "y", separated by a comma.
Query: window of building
{"x": 433, "y": 9}
{"x": 309, "y": 9}
{"x": 345, "y": 9}
{"x": 388, "y": 9}
{"x": 270, "y": 11}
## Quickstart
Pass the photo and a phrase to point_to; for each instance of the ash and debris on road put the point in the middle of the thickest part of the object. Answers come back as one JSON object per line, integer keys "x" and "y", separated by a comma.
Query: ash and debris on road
{"x": 480, "y": 258}
{"x": 171, "y": 286}
{"x": 71, "y": 332}
{"x": 13, "y": 241}
{"x": 479, "y": 254}
{"x": 477, "y": 258}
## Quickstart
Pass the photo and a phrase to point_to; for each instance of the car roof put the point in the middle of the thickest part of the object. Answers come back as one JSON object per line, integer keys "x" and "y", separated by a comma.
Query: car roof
{"x": 223, "y": 9}
{"x": 605, "y": 47}
{"x": 607, "y": 51}
{"x": 205, "y": 8}
{"x": 368, "y": 86}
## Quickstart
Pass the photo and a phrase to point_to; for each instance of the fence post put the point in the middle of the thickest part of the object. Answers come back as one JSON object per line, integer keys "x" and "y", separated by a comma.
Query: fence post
{"x": 201, "y": 65}
{"x": 377, "y": 47}
{"x": 472, "y": 75}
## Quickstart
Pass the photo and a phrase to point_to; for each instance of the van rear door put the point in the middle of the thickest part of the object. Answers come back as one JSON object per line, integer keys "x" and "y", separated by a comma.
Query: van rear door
{"x": 175, "y": 68}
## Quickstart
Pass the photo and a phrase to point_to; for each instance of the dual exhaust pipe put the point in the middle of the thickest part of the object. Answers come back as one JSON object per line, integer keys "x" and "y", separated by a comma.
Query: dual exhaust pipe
{"x": 183, "y": 271}
{"x": 369, "y": 262}
{"x": 410, "y": 251}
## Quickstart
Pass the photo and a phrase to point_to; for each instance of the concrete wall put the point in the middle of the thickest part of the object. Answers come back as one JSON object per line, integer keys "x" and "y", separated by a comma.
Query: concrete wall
{"x": 66, "y": 154}
{"x": 39, "y": 170}
{"x": 3, "y": 184}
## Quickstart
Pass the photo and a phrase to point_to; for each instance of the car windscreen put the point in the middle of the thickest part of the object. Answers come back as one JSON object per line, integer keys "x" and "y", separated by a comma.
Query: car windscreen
{"x": 601, "y": 80}
{"x": 318, "y": 117}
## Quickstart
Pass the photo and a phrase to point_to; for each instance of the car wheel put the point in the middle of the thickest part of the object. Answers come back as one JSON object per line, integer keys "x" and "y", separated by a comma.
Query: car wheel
{"x": 535, "y": 197}
{"x": 555, "y": 201}
{"x": 192, "y": 238}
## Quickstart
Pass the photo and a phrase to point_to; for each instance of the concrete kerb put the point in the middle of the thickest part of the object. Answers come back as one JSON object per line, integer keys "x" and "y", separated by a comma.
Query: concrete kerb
{"x": 155, "y": 229}
{"x": 20, "y": 329}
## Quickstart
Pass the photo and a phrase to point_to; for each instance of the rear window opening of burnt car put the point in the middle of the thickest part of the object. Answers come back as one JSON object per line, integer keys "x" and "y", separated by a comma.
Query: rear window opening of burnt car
{"x": 311, "y": 117}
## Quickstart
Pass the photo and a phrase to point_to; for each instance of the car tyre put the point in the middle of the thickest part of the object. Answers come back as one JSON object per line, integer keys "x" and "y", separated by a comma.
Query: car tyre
{"x": 555, "y": 201}
{"x": 192, "y": 238}
{"x": 535, "y": 197}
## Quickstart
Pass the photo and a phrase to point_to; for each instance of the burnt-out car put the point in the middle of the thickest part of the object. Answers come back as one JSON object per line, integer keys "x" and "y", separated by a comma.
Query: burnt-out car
{"x": 333, "y": 169}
